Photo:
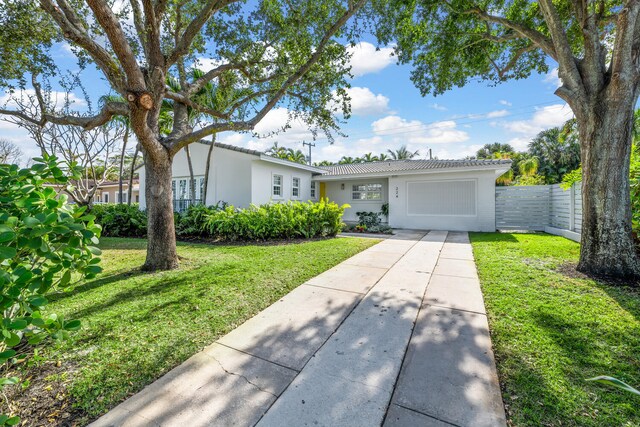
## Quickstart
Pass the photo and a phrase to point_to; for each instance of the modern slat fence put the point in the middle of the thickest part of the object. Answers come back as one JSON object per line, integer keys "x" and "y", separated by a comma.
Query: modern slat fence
{"x": 540, "y": 208}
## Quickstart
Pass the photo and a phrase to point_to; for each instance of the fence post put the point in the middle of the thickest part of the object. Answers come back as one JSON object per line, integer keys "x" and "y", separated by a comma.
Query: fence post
{"x": 572, "y": 208}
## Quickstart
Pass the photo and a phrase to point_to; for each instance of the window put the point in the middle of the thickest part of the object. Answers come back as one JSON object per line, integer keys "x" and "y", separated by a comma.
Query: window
{"x": 124, "y": 196}
{"x": 277, "y": 185}
{"x": 295, "y": 187}
{"x": 201, "y": 192}
{"x": 173, "y": 188}
{"x": 105, "y": 197}
{"x": 367, "y": 192}
{"x": 313, "y": 190}
{"x": 182, "y": 189}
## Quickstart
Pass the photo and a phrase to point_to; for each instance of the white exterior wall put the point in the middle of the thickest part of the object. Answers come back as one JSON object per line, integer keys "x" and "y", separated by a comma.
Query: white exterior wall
{"x": 237, "y": 178}
{"x": 262, "y": 182}
{"x": 335, "y": 193}
{"x": 483, "y": 220}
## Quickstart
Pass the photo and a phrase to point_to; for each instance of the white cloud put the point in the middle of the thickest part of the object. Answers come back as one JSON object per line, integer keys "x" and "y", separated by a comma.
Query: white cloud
{"x": 364, "y": 102}
{"x": 497, "y": 113}
{"x": 552, "y": 78}
{"x": 366, "y": 58}
{"x": 438, "y": 107}
{"x": 416, "y": 132}
{"x": 544, "y": 118}
{"x": 505, "y": 102}
{"x": 7, "y": 99}
{"x": 206, "y": 64}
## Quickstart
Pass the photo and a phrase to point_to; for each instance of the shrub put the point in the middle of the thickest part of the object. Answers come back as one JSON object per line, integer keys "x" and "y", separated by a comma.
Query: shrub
{"x": 45, "y": 242}
{"x": 369, "y": 219}
{"x": 192, "y": 222}
{"x": 121, "y": 220}
{"x": 276, "y": 221}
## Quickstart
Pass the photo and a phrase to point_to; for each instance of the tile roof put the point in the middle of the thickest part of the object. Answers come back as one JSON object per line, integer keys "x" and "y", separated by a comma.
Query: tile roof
{"x": 408, "y": 165}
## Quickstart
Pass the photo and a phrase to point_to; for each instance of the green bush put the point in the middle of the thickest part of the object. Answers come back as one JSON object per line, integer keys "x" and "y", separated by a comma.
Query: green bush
{"x": 192, "y": 221}
{"x": 121, "y": 220}
{"x": 369, "y": 219}
{"x": 276, "y": 221}
{"x": 44, "y": 244}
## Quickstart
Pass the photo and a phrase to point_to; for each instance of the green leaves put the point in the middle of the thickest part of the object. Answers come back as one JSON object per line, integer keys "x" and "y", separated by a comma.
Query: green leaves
{"x": 44, "y": 244}
{"x": 614, "y": 382}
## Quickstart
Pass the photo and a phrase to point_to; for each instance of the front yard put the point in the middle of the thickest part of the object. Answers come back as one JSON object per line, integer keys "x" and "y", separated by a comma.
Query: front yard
{"x": 552, "y": 328}
{"x": 136, "y": 326}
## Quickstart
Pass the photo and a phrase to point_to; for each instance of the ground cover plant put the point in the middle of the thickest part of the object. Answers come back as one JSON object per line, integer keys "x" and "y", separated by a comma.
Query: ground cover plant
{"x": 553, "y": 328}
{"x": 137, "y": 326}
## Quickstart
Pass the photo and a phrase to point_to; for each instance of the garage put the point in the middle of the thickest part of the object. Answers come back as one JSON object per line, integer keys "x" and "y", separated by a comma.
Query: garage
{"x": 454, "y": 195}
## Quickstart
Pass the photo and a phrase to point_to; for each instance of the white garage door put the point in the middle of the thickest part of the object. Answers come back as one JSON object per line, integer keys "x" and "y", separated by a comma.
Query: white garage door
{"x": 441, "y": 198}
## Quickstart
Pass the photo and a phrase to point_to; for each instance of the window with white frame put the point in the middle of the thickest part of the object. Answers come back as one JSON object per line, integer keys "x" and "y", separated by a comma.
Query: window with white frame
{"x": 124, "y": 196}
{"x": 201, "y": 188}
{"x": 182, "y": 189}
{"x": 295, "y": 187}
{"x": 313, "y": 189}
{"x": 105, "y": 197}
{"x": 366, "y": 192}
{"x": 277, "y": 185}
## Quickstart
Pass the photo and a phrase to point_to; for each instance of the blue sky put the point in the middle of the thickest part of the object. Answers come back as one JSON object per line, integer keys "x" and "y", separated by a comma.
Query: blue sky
{"x": 388, "y": 111}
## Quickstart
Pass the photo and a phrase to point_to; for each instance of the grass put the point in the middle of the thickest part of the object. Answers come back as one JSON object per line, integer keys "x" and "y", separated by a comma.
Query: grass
{"x": 137, "y": 326}
{"x": 552, "y": 328}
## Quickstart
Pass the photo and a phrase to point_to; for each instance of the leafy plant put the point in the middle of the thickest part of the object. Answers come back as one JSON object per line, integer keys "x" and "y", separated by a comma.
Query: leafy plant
{"x": 276, "y": 221}
{"x": 119, "y": 220}
{"x": 192, "y": 222}
{"x": 369, "y": 219}
{"x": 384, "y": 209}
{"x": 615, "y": 383}
{"x": 46, "y": 243}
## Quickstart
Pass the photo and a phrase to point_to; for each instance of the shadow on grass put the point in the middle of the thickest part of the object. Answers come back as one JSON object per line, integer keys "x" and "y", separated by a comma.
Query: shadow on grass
{"x": 96, "y": 283}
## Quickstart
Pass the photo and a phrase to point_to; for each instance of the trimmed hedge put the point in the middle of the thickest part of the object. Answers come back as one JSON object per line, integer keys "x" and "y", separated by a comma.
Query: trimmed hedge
{"x": 121, "y": 220}
{"x": 276, "y": 221}
{"x": 270, "y": 221}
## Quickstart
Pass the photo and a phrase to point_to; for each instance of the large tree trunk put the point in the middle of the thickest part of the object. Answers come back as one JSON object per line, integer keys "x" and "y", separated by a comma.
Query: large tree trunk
{"x": 605, "y": 128}
{"x": 207, "y": 168}
{"x": 161, "y": 235}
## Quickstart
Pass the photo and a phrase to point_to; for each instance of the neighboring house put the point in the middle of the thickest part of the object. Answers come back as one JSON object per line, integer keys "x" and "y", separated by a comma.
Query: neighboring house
{"x": 108, "y": 191}
{"x": 422, "y": 194}
{"x": 237, "y": 176}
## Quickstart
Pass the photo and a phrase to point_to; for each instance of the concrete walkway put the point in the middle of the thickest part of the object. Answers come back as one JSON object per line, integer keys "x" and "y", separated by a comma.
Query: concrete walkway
{"x": 395, "y": 336}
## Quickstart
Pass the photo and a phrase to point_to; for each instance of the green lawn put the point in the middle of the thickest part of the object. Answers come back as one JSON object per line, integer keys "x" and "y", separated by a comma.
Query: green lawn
{"x": 136, "y": 326}
{"x": 551, "y": 331}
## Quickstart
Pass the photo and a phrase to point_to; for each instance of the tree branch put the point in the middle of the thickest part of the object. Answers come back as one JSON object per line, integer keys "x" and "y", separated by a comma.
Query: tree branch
{"x": 111, "y": 26}
{"x": 86, "y": 122}
{"x": 73, "y": 31}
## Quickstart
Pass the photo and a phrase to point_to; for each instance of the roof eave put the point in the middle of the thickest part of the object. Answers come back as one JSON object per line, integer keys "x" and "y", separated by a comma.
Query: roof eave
{"x": 499, "y": 170}
{"x": 289, "y": 163}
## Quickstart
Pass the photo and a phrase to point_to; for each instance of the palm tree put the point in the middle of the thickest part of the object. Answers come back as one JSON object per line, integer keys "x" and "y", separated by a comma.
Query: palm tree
{"x": 382, "y": 157}
{"x": 323, "y": 163}
{"x": 296, "y": 156}
{"x": 370, "y": 157}
{"x": 345, "y": 160}
{"x": 402, "y": 153}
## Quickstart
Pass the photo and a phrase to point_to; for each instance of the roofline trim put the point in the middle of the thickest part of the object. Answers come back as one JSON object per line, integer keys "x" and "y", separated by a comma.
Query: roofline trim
{"x": 499, "y": 169}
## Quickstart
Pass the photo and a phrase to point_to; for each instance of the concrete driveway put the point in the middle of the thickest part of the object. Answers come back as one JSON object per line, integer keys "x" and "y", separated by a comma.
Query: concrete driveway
{"x": 396, "y": 336}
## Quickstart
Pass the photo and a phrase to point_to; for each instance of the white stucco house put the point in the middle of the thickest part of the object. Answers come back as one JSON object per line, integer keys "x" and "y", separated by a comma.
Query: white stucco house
{"x": 422, "y": 194}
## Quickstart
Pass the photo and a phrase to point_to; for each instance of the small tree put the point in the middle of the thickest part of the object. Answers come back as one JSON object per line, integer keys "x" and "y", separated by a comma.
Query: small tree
{"x": 9, "y": 152}
{"x": 44, "y": 245}
{"x": 402, "y": 153}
